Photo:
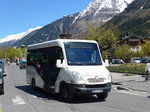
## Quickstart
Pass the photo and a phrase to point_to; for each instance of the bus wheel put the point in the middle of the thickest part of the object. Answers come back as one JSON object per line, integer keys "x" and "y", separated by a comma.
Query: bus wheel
{"x": 2, "y": 92}
{"x": 65, "y": 93}
{"x": 33, "y": 84}
{"x": 102, "y": 96}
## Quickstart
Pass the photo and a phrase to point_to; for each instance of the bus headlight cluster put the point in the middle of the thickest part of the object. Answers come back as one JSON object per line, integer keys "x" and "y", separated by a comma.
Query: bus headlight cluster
{"x": 109, "y": 76}
{"x": 76, "y": 76}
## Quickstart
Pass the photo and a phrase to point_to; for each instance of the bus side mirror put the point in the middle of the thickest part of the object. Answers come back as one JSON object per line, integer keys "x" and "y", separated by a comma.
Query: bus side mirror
{"x": 59, "y": 64}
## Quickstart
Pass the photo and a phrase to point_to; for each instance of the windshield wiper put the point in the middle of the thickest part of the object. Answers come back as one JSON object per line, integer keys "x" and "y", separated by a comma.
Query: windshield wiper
{"x": 77, "y": 63}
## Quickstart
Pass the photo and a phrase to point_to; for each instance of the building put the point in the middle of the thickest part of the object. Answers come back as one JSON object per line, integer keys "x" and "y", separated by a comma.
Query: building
{"x": 134, "y": 42}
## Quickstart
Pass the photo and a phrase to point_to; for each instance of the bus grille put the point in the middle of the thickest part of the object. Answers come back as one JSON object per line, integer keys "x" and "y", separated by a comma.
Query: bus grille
{"x": 96, "y": 86}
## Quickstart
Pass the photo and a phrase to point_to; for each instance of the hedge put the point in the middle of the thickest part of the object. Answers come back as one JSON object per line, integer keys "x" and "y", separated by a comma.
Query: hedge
{"x": 132, "y": 68}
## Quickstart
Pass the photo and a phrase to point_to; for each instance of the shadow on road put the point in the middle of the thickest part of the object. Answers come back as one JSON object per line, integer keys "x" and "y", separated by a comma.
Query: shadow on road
{"x": 85, "y": 99}
{"x": 38, "y": 93}
{"x": 42, "y": 95}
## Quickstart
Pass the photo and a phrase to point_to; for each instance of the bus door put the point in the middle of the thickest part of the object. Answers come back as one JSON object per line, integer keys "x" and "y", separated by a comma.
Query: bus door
{"x": 53, "y": 72}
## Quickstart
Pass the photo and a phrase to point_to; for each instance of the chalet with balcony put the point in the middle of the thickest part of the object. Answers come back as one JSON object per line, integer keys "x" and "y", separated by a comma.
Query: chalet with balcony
{"x": 134, "y": 42}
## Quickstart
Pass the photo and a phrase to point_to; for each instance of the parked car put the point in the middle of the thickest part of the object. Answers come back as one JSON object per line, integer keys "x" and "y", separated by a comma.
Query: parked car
{"x": 23, "y": 63}
{"x": 2, "y": 75}
{"x": 144, "y": 60}
{"x": 117, "y": 61}
{"x": 135, "y": 60}
{"x": 2, "y": 65}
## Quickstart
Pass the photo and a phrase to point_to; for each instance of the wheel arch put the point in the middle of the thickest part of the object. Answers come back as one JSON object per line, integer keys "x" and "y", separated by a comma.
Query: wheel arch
{"x": 61, "y": 84}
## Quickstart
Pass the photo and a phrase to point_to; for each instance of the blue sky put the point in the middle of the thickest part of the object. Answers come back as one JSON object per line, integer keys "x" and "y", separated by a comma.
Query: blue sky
{"x": 18, "y": 16}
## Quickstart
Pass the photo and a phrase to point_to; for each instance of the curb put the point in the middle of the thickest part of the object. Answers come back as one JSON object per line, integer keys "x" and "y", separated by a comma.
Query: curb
{"x": 130, "y": 89}
{"x": 123, "y": 88}
{"x": 116, "y": 83}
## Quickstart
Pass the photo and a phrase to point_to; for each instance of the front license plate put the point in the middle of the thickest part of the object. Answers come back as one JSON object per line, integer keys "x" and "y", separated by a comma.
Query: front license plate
{"x": 97, "y": 91}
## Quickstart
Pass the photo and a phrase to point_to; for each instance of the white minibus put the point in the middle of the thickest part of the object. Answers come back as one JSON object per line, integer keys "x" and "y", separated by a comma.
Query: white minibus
{"x": 69, "y": 67}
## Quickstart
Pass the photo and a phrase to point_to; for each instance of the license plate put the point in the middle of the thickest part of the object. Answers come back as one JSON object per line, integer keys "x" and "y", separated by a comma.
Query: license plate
{"x": 97, "y": 91}
{"x": 94, "y": 80}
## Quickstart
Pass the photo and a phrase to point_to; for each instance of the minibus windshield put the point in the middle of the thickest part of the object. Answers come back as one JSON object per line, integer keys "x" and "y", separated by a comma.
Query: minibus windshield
{"x": 81, "y": 53}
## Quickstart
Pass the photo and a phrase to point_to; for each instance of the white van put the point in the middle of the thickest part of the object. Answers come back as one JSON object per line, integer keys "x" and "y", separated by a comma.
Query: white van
{"x": 135, "y": 60}
{"x": 69, "y": 67}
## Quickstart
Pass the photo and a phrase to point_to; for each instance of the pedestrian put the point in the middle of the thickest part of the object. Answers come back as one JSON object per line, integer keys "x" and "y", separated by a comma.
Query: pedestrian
{"x": 7, "y": 62}
{"x": 147, "y": 69}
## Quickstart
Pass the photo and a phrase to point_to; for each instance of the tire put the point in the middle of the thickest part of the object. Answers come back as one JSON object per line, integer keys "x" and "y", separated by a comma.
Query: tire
{"x": 33, "y": 84}
{"x": 146, "y": 79}
{"x": 2, "y": 91}
{"x": 102, "y": 96}
{"x": 65, "y": 93}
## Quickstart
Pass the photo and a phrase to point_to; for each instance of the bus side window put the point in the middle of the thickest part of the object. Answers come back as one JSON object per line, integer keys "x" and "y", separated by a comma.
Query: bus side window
{"x": 30, "y": 59}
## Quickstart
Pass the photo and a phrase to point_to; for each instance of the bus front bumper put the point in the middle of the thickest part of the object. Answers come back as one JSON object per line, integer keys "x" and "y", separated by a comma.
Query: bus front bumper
{"x": 89, "y": 89}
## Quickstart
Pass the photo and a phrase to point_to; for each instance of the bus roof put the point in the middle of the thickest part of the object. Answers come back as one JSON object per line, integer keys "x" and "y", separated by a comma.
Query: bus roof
{"x": 55, "y": 42}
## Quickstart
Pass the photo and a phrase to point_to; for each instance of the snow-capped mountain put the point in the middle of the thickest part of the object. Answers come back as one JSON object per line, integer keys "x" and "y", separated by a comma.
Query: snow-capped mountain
{"x": 19, "y": 36}
{"x": 97, "y": 13}
{"x": 135, "y": 19}
{"x": 101, "y": 7}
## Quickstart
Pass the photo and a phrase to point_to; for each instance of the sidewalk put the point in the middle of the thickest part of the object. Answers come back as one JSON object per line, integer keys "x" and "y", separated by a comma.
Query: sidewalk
{"x": 135, "y": 82}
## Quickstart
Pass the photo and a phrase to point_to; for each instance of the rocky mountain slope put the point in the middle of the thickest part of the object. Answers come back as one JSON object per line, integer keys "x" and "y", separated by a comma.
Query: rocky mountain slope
{"x": 135, "y": 19}
{"x": 11, "y": 39}
{"x": 97, "y": 13}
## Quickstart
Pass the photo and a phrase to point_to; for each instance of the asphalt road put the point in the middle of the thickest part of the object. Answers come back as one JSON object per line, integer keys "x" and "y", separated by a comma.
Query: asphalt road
{"x": 19, "y": 97}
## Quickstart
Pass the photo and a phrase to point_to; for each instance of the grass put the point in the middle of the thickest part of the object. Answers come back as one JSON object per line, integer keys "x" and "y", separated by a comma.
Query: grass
{"x": 132, "y": 68}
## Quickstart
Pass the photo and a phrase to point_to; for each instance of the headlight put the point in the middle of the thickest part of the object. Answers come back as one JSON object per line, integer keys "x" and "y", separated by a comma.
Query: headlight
{"x": 109, "y": 76}
{"x": 76, "y": 76}
{"x": 1, "y": 81}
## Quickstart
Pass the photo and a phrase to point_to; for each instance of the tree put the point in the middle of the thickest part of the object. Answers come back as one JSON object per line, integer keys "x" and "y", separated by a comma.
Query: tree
{"x": 106, "y": 38}
{"x": 22, "y": 52}
{"x": 138, "y": 54}
{"x": 1, "y": 53}
{"x": 146, "y": 49}
{"x": 12, "y": 53}
{"x": 123, "y": 52}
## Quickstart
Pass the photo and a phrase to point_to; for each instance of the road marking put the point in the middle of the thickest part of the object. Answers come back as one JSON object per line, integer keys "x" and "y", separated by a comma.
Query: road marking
{"x": 130, "y": 92}
{"x": 1, "y": 110}
{"x": 18, "y": 100}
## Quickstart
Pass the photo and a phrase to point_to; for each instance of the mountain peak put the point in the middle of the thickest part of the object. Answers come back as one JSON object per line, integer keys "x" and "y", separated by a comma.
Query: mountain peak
{"x": 97, "y": 13}
{"x": 135, "y": 19}
{"x": 19, "y": 36}
{"x": 104, "y": 6}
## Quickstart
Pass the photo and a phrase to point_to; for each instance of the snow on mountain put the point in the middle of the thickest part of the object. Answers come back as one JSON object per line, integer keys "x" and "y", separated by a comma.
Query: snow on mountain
{"x": 97, "y": 13}
{"x": 19, "y": 36}
{"x": 102, "y": 5}
{"x": 122, "y": 4}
